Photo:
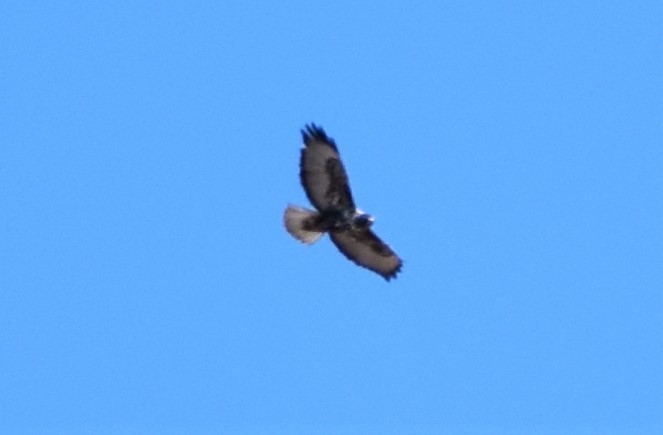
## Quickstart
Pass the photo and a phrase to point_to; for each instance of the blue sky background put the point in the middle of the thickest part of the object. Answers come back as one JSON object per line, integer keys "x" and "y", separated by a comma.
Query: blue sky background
{"x": 512, "y": 153}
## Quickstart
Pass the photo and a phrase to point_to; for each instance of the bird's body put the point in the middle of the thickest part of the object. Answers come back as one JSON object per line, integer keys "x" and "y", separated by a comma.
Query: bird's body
{"x": 325, "y": 182}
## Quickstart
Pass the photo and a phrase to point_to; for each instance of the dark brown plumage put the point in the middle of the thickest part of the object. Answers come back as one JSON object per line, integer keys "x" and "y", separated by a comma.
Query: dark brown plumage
{"x": 326, "y": 185}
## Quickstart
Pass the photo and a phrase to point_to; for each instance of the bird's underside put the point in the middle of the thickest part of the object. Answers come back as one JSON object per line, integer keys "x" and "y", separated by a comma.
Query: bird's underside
{"x": 325, "y": 183}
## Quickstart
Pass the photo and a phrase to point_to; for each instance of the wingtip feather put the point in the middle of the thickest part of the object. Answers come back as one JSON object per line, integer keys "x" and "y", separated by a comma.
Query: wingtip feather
{"x": 312, "y": 132}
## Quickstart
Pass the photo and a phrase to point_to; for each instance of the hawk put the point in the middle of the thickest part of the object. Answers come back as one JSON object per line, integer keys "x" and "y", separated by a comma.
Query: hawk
{"x": 325, "y": 183}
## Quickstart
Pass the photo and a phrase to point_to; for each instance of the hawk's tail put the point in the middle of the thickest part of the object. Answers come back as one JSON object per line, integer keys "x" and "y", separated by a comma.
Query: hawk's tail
{"x": 299, "y": 223}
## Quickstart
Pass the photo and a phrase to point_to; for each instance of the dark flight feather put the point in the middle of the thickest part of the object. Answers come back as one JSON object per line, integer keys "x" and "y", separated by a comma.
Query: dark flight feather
{"x": 366, "y": 249}
{"x": 322, "y": 173}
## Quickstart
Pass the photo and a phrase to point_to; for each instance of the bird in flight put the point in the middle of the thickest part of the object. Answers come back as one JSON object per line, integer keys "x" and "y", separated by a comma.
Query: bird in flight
{"x": 325, "y": 183}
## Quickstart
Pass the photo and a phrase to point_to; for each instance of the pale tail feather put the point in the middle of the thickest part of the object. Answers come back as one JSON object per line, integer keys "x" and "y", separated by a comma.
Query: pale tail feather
{"x": 295, "y": 219}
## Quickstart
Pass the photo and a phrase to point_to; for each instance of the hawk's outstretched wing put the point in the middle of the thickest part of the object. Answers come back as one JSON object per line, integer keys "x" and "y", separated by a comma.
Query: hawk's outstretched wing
{"x": 322, "y": 173}
{"x": 367, "y": 250}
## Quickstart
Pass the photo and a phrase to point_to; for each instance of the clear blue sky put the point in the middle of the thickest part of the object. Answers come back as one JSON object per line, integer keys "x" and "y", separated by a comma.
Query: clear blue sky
{"x": 512, "y": 153}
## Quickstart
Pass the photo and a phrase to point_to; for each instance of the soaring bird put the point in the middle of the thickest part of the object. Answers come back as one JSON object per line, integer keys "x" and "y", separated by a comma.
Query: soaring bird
{"x": 325, "y": 183}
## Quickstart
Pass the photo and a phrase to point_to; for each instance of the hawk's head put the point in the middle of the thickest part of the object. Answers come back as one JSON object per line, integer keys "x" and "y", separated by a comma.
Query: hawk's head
{"x": 363, "y": 220}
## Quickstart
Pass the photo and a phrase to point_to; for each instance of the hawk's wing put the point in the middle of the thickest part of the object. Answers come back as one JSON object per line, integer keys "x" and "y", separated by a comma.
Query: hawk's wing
{"x": 367, "y": 250}
{"x": 322, "y": 173}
